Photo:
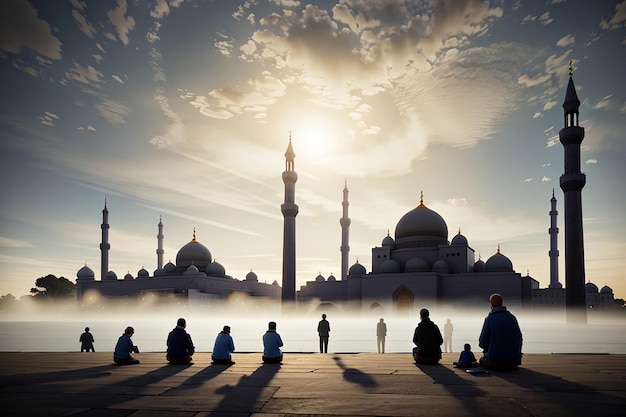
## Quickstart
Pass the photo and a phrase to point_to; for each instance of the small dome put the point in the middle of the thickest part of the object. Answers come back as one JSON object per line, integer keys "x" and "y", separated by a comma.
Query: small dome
{"x": 459, "y": 239}
{"x": 251, "y": 276}
{"x": 606, "y": 290}
{"x": 357, "y": 269}
{"x": 215, "y": 268}
{"x": 275, "y": 283}
{"x": 498, "y": 262}
{"x": 417, "y": 265}
{"x": 591, "y": 288}
{"x": 388, "y": 240}
{"x": 440, "y": 266}
{"x": 390, "y": 266}
{"x": 159, "y": 272}
{"x": 169, "y": 267}
{"x": 320, "y": 278}
{"x": 479, "y": 265}
{"x": 194, "y": 253}
{"x": 192, "y": 270}
{"x": 85, "y": 273}
{"x": 331, "y": 278}
{"x": 110, "y": 276}
{"x": 128, "y": 276}
{"x": 142, "y": 273}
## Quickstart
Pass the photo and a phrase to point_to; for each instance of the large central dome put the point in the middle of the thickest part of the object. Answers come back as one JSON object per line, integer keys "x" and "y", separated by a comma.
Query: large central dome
{"x": 194, "y": 253}
{"x": 421, "y": 226}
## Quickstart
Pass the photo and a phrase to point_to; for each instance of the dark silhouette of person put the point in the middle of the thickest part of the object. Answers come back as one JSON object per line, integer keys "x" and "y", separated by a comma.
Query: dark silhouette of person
{"x": 448, "y": 328}
{"x": 323, "y": 330}
{"x": 180, "y": 348}
{"x": 124, "y": 347}
{"x": 381, "y": 332}
{"x": 223, "y": 347}
{"x": 500, "y": 338}
{"x": 466, "y": 358}
{"x": 272, "y": 344}
{"x": 86, "y": 341}
{"x": 428, "y": 340}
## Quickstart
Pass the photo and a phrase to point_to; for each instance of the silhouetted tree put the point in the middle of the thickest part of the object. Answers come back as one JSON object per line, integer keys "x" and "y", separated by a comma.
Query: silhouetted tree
{"x": 53, "y": 288}
{"x": 7, "y": 302}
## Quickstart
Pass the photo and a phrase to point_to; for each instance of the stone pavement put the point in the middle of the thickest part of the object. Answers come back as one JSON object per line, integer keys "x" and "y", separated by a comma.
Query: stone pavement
{"x": 344, "y": 384}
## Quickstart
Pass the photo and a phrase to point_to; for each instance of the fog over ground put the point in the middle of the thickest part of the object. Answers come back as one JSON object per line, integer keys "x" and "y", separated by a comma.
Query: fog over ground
{"x": 58, "y": 329}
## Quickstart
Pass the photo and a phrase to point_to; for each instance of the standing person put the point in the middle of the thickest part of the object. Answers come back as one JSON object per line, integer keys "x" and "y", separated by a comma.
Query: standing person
{"x": 381, "y": 332}
{"x": 500, "y": 338}
{"x": 124, "y": 347}
{"x": 86, "y": 341}
{"x": 447, "y": 336}
{"x": 223, "y": 347}
{"x": 323, "y": 330}
{"x": 428, "y": 340}
{"x": 272, "y": 344}
{"x": 180, "y": 347}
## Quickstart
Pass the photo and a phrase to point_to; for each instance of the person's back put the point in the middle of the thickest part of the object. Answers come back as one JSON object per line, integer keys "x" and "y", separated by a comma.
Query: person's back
{"x": 180, "y": 347}
{"x": 500, "y": 337}
{"x": 86, "y": 341}
{"x": 272, "y": 344}
{"x": 428, "y": 340}
{"x": 466, "y": 358}
{"x": 124, "y": 347}
{"x": 223, "y": 347}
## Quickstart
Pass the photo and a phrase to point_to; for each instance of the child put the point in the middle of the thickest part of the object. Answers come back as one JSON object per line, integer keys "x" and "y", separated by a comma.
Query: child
{"x": 466, "y": 358}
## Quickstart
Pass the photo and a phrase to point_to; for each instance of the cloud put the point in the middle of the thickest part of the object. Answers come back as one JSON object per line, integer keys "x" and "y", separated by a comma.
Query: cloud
{"x": 537, "y": 115}
{"x": 84, "y": 26}
{"x": 123, "y": 25}
{"x": 86, "y": 75}
{"x": 6, "y": 242}
{"x": 566, "y": 41}
{"x": 549, "y": 105}
{"x": 544, "y": 19}
{"x": 113, "y": 111}
{"x": 20, "y": 27}
{"x": 591, "y": 161}
{"x": 118, "y": 79}
{"x": 528, "y": 180}
{"x": 618, "y": 18}
{"x": 546, "y": 179}
{"x": 48, "y": 119}
{"x": 604, "y": 103}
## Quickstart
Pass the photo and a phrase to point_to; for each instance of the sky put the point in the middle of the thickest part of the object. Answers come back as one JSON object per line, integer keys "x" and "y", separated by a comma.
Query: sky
{"x": 182, "y": 111}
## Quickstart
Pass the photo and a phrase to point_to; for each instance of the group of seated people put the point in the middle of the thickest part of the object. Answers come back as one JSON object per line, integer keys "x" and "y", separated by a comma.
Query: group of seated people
{"x": 500, "y": 339}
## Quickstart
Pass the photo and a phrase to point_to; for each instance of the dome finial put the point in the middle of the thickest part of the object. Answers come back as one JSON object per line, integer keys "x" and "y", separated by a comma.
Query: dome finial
{"x": 387, "y": 232}
{"x": 421, "y": 199}
{"x": 499, "y": 249}
{"x": 459, "y": 230}
{"x": 553, "y": 193}
{"x": 194, "y": 235}
{"x": 571, "y": 68}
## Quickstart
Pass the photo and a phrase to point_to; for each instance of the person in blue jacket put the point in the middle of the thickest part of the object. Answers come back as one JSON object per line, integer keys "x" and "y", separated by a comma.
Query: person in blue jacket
{"x": 124, "y": 347}
{"x": 500, "y": 338}
{"x": 223, "y": 347}
{"x": 272, "y": 344}
{"x": 180, "y": 347}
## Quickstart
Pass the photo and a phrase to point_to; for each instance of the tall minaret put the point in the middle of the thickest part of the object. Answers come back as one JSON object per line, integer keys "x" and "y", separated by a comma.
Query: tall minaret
{"x": 572, "y": 183}
{"x": 159, "y": 250}
{"x": 345, "y": 233}
{"x": 104, "y": 246}
{"x": 290, "y": 210}
{"x": 554, "y": 246}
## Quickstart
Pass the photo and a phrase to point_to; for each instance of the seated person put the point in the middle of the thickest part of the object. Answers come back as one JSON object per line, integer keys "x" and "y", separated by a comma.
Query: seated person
{"x": 124, "y": 347}
{"x": 179, "y": 345}
{"x": 223, "y": 347}
{"x": 428, "y": 340}
{"x": 466, "y": 358}
{"x": 272, "y": 344}
{"x": 500, "y": 338}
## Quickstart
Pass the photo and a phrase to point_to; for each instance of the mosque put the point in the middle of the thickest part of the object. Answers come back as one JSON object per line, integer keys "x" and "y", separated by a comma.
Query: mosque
{"x": 417, "y": 267}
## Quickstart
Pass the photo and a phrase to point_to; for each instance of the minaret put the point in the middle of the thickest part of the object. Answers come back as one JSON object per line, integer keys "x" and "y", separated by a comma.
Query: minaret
{"x": 104, "y": 246}
{"x": 345, "y": 233}
{"x": 290, "y": 211}
{"x": 572, "y": 183}
{"x": 554, "y": 246}
{"x": 159, "y": 250}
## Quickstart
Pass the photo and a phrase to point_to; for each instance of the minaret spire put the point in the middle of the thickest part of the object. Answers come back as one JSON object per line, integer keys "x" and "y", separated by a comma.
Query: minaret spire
{"x": 553, "y": 253}
{"x": 345, "y": 233}
{"x": 572, "y": 183}
{"x": 105, "y": 246}
{"x": 290, "y": 210}
{"x": 159, "y": 250}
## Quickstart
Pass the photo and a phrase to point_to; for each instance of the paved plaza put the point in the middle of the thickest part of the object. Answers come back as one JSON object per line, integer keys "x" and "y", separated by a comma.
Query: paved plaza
{"x": 307, "y": 384}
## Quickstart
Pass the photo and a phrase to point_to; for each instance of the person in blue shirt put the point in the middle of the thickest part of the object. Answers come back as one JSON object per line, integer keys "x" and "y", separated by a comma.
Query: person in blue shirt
{"x": 223, "y": 347}
{"x": 124, "y": 347}
{"x": 500, "y": 338}
{"x": 180, "y": 347}
{"x": 466, "y": 358}
{"x": 272, "y": 344}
